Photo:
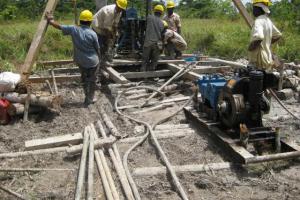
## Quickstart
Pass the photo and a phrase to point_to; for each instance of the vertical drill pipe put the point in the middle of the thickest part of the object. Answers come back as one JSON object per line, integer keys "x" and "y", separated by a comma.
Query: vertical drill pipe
{"x": 107, "y": 180}
{"x": 115, "y": 155}
{"x": 82, "y": 166}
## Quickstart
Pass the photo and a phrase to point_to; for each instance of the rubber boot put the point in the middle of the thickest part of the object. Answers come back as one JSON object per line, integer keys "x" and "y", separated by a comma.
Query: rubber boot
{"x": 91, "y": 94}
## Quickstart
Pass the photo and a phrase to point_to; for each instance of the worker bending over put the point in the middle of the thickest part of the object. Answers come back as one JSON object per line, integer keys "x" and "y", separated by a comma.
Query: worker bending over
{"x": 173, "y": 38}
{"x": 264, "y": 33}
{"x": 105, "y": 24}
{"x": 174, "y": 23}
{"x": 153, "y": 39}
{"x": 86, "y": 51}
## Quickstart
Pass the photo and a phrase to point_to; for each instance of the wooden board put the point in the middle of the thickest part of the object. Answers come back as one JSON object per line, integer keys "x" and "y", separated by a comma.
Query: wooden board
{"x": 55, "y": 62}
{"x": 116, "y": 76}
{"x": 190, "y": 75}
{"x": 150, "y": 74}
{"x": 59, "y": 79}
{"x": 51, "y": 142}
{"x": 211, "y": 69}
{"x": 37, "y": 40}
{"x": 118, "y": 62}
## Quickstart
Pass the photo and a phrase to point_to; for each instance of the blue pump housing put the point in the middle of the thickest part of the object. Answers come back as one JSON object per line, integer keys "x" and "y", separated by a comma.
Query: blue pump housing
{"x": 210, "y": 87}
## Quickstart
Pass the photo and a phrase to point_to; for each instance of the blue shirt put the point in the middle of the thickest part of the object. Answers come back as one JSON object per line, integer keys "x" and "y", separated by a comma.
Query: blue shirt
{"x": 85, "y": 44}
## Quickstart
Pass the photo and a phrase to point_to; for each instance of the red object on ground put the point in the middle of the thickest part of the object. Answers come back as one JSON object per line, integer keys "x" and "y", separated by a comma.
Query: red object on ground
{"x": 4, "y": 116}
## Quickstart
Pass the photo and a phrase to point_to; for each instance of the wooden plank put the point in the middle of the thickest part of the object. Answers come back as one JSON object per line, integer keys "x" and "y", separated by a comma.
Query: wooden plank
{"x": 240, "y": 6}
{"x": 189, "y": 75}
{"x": 116, "y": 76}
{"x": 37, "y": 40}
{"x": 118, "y": 62}
{"x": 150, "y": 74}
{"x": 152, "y": 171}
{"x": 237, "y": 153}
{"x": 59, "y": 78}
{"x": 51, "y": 142}
{"x": 210, "y": 69}
{"x": 55, "y": 62}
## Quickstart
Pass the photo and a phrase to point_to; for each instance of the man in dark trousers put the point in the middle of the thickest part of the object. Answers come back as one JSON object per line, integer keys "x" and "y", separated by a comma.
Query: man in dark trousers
{"x": 153, "y": 39}
{"x": 86, "y": 51}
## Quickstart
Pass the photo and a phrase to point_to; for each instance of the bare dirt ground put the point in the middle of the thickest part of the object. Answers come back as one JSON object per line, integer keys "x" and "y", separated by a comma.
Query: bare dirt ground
{"x": 276, "y": 180}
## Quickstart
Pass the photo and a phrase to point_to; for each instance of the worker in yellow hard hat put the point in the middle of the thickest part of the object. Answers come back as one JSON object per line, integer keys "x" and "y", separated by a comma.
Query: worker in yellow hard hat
{"x": 105, "y": 24}
{"x": 264, "y": 33}
{"x": 86, "y": 50}
{"x": 174, "y": 22}
{"x": 153, "y": 39}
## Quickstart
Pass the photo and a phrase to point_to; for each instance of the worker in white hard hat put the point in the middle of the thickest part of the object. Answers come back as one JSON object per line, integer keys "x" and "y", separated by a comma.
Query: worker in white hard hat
{"x": 105, "y": 24}
{"x": 86, "y": 51}
{"x": 174, "y": 22}
{"x": 153, "y": 43}
{"x": 264, "y": 33}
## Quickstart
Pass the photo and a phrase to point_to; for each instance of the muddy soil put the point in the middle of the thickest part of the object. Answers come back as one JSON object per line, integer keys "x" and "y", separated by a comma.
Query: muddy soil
{"x": 276, "y": 180}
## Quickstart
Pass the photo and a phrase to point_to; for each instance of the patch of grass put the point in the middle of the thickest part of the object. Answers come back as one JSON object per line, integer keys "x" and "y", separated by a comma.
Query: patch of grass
{"x": 230, "y": 39}
{"x": 213, "y": 37}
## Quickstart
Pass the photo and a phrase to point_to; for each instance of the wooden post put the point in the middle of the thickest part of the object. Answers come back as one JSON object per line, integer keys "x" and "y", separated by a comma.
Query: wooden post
{"x": 244, "y": 12}
{"x": 37, "y": 40}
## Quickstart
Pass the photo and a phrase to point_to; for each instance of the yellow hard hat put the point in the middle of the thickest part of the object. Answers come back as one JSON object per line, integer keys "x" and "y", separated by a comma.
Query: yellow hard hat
{"x": 86, "y": 16}
{"x": 170, "y": 4}
{"x": 159, "y": 8}
{"x": 122, "y": 4}
{"x": 165, "y": 23}
{"x": 266, "y": 2}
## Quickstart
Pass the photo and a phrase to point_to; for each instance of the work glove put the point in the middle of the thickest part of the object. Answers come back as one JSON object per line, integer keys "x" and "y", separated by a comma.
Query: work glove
{"x": 49, "y": 16}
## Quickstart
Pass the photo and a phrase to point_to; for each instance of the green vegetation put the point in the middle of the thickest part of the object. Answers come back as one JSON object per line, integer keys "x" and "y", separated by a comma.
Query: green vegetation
{"x": 220, "y": 31}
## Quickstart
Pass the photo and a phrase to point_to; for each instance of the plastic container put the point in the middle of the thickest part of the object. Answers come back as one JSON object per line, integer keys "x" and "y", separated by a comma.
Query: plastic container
{"x": 4, "y": 116}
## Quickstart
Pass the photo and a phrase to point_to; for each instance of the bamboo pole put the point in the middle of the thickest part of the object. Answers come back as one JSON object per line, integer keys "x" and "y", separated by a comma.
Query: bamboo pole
{"x": 116, "y": 159}
{"x": 82, "y": 165}
{"x": 91, "y": 167}
{"x": 110, "y": 188}
{"x": 32, "y": 169}
{"x": 69, "y": 150}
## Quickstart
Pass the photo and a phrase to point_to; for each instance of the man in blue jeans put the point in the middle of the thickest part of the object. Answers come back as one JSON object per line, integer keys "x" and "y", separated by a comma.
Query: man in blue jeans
{"x": 86, "y": 51}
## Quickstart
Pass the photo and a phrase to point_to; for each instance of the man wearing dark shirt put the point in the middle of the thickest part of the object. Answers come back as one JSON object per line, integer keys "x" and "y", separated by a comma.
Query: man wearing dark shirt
{"x": 153, "y": 39}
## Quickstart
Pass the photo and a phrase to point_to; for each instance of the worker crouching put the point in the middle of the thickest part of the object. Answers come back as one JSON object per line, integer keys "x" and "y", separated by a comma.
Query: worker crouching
{"x": 153, "y": 39}
{"x": 86, "y": 51}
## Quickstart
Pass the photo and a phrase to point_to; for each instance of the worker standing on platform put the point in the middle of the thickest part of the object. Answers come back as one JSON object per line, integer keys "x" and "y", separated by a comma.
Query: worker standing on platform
{"x": 86, "y": 51}
{"x": 174, "y": 23}
{"x": 153, "y": 44}
{"x": 264, "y": 33}
{"x": 105, "y": 24}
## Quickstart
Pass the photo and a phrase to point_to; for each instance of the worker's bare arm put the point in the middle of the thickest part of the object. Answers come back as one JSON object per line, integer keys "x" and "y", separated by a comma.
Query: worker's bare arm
{"x": 51, "y": 21}
{"x": 254, "y": 45}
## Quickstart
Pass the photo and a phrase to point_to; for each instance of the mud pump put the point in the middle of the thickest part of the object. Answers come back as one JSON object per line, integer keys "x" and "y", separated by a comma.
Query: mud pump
{"x": 238, "y": 103}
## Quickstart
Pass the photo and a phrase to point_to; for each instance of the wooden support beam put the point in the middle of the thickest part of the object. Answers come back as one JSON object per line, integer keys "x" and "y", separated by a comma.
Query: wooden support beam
{"x": 120, "y": 62}
{"x": 51, "y": 142}
{"x": 244, "y": 12}
{"x": 189, "y": 75}
{"x": 210, "y": 69}
{"x": 37, "y": 40}
{"x": 150, "y": 74}
{"x": 59, "y": 78}
{"x": 55, "y": 62}
{"x": 152, "y": 171}
{"x": 116, "y": 76}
